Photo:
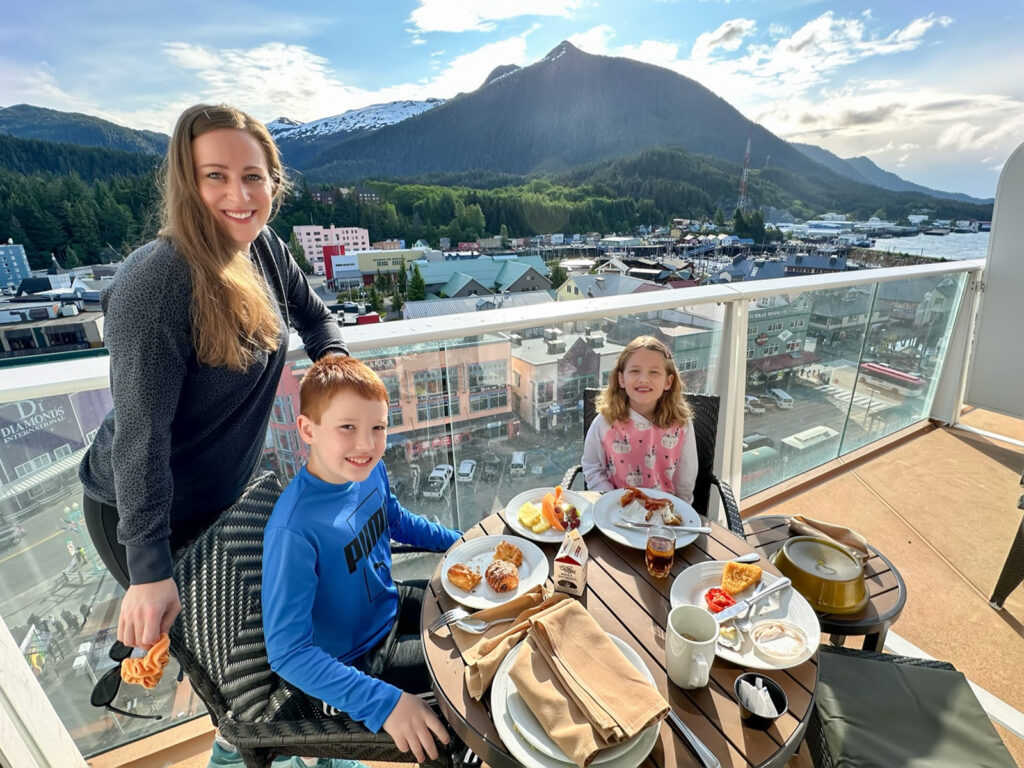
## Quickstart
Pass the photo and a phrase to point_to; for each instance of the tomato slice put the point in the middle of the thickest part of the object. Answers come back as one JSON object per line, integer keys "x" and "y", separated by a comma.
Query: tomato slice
{"x": 718, "y": 599}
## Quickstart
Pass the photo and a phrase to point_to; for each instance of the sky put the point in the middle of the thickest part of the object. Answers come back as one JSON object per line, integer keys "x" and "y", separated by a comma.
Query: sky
{"x": 931, "y": 91}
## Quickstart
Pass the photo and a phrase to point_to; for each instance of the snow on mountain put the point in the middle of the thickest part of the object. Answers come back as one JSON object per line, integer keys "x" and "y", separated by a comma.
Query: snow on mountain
{"x": 374, "y": 116}
{"x": 282, "y": 124}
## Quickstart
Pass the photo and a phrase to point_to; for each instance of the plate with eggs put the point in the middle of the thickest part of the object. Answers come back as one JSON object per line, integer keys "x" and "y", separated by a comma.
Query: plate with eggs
{"x": 545, "y": 514}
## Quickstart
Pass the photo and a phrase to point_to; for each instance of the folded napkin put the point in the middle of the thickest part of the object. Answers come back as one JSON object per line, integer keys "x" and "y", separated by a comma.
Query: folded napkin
{"x": 856, "y": 544}
{"x": 484, "y": 653}
{"x": 148, "y": 670}
{"x": 581, "y": 688}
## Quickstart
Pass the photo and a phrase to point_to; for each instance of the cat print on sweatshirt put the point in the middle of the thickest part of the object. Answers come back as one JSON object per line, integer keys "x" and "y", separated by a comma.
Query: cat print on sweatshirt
{"x": 622, "y": 445}
{"x": 670, "y": 439}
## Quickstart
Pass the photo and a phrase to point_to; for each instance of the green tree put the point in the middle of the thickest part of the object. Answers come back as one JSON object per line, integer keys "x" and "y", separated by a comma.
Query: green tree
{"x": 558, "y": 275}
{"x": 401, "y": 281}
{"x": 299, "y": 254}
{"x": 503, "y": 233}
{"x": 376, "y": 301}
{"x": 417, "y": 286}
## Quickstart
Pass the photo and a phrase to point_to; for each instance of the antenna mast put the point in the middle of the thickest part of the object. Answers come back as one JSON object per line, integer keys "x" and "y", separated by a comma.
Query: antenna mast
{"x": 742, "y": 203}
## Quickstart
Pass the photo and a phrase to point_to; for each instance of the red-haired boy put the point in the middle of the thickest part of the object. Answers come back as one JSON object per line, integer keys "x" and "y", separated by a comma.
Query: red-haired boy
{"x": 336, "y": 625}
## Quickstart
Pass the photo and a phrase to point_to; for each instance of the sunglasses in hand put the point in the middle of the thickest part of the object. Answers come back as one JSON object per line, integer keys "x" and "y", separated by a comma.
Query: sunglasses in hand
{"x": 106, "y": 688}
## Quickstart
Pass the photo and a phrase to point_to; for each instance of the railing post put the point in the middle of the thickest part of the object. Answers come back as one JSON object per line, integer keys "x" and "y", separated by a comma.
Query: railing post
{"x": 731, "y": 386}
{"x": 952, "y": 381}
{"x": 31, "y": 733}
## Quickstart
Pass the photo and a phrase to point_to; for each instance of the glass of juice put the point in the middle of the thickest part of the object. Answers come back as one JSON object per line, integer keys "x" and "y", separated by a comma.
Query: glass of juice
{"x": 661, "y": 551}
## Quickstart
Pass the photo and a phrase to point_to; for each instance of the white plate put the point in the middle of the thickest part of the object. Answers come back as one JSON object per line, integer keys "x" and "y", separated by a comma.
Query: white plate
{"x": 477, "y": 554}
{"x": 692, "y": 584}
{"x": 524, "y": 737}
{"x": 607, "y": 509}
{"x": 550, "y": 536}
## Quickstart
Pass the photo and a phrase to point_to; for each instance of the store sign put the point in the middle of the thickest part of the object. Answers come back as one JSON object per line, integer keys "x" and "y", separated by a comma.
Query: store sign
{"x": 21, "y": 419}
{"x": 381, "y": 364}
{"x": 761, "y": 340}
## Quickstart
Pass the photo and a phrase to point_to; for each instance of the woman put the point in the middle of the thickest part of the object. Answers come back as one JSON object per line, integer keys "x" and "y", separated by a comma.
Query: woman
{"x": 196, "y": 323}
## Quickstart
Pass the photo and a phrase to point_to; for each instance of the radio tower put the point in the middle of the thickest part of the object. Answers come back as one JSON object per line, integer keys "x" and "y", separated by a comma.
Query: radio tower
{"x": 741, "y": 203}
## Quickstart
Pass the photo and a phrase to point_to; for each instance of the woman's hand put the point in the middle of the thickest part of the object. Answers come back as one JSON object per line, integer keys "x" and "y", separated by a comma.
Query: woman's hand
{"x": 147, "y": 611}
{"x": 413, "y": 725}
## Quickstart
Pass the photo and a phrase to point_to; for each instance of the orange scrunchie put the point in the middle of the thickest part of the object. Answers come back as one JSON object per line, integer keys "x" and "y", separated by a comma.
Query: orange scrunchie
{"x": 148, "y": 670}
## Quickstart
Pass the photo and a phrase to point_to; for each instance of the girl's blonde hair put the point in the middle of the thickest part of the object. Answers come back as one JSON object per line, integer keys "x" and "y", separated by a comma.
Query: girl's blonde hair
{"x": 672, "y": 408}
{"x": 232, "y": 311}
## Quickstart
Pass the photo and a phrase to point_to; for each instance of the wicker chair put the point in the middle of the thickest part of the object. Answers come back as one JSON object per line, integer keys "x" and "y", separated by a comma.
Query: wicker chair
{"x": 922, "y": 721}
{"x": 705, "y": 424}
{"x": 218, "y": 638}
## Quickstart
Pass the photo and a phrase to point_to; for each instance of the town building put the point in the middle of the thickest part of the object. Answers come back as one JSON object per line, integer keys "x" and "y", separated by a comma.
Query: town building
{"x": 485, "y": 274}
{"x": 611, "y": 284}
{"x": 313, "y": 238}
{"x": 13, "y": 266}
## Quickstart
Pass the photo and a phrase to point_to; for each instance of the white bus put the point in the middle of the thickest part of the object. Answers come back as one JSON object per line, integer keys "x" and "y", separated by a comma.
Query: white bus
{"x": 809, "y": 441}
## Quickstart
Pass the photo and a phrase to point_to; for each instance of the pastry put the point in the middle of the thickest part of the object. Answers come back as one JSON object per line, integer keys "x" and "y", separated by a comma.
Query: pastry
{"x": 502, "y": 576}
{"x": 738, "y": 576}
{"x": 509, "y": 552}
{"x": 463, "y": 577}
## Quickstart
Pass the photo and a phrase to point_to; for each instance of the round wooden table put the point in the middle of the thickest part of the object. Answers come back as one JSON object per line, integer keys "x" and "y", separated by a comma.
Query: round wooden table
{"x": 887, "y": 592}
{"x": 631, "y": 605}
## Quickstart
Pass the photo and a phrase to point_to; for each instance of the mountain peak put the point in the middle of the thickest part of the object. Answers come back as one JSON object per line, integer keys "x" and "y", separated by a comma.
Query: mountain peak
{"x": 560, "y": 50}
{"x": 499, "y": 72}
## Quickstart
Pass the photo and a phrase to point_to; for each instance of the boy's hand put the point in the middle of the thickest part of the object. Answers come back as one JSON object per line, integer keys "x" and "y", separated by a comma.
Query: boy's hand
{"x": 413, "y": 725}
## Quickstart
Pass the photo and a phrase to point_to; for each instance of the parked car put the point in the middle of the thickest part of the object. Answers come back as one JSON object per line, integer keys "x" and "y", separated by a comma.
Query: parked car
{"x": 491, "y": 466}
{"x": 350, "y": 306}
{"x": 753, "y": 405}
{"x": 439, "y": 484}
{"x": 756, "y": 440}
{"x": 10, "y": 534}
{"x": 467, "y": 471}
{"x": 517, "y": 467}
{"x": 780, "y": 397}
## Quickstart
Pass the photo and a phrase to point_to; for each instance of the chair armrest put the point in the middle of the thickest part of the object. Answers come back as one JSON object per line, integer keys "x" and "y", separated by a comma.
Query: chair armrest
{"x": 570, "y": 476}
{"x": 732, "y": 510}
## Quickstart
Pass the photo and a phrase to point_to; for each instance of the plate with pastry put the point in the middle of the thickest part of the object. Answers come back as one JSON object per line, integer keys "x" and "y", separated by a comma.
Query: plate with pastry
{"x": 544, "y": 514}
{"x": 622, "y": 515}
{"x": 785, "y": 628}
{"x": 491, "y": 570}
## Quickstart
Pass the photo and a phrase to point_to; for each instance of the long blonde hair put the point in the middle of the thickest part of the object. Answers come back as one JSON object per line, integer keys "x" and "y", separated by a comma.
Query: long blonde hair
{"x": 232, "y": 311}
{"x": 672, "y": 408}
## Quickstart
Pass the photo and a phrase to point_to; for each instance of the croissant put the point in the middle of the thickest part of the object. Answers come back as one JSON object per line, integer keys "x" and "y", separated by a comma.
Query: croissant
{"x": 463, "y": 577}
{"x": 510, "y": 553}
{"x": 502, "y": 576}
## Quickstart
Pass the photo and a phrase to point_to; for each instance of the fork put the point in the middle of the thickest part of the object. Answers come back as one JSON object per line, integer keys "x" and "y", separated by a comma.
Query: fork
{"x": 745, "y": 624}
{"x": 447, "y": 618}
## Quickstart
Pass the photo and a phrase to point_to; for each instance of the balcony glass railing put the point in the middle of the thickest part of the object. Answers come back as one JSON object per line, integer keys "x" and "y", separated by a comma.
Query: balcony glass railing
{"x": 808, "y": 369}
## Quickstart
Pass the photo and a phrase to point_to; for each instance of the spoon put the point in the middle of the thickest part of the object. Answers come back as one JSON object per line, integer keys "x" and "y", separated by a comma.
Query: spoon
{"x": 750, "y": 557}
{"x": 479, "y": 626}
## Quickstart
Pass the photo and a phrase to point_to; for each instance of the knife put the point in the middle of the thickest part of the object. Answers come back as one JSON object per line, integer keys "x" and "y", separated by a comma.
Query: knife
{"x": 680, "y": 528}
{"x": 734, "y": 610}
{"x": 700, "y": 749}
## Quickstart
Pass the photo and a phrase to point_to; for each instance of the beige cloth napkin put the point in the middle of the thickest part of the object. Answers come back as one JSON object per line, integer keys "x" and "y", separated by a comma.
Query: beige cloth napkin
{"x": 484, "y": 653}
{"x": 854, "y": 542}
{"x": 581, "y": 688}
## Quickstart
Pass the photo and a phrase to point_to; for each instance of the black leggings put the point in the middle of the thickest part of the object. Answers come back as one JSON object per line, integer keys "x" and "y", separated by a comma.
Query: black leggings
{"x": 101, "y": 521}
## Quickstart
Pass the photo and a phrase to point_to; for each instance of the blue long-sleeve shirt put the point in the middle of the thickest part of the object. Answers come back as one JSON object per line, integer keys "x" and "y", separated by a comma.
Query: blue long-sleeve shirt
{"x": 328, "y": 595}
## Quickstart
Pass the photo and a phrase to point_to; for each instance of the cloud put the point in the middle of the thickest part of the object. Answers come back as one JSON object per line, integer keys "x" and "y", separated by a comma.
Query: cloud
{"x": 595, "y": 40}
{"x": 275, "y": 78}
{"x": 729, "y": 36}
{"x": 467, "y": 15}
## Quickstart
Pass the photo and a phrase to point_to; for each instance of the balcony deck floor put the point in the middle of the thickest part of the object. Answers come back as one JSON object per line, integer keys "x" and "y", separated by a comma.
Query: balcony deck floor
{"x": 942, "y": 505}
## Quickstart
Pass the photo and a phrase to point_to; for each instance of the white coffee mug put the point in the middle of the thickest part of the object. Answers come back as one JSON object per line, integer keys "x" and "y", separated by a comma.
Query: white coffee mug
{"x": 690, "y": 640}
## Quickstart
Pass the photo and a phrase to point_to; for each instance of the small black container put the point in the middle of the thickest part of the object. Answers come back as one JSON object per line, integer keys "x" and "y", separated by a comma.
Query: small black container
{"x": 778, "y": 697}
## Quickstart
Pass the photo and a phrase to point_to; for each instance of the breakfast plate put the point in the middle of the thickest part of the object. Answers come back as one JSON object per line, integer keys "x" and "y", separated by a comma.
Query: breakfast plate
{"x": 693, "y": 583}
{"x": 477, "y": 554}
{"x": 607, "y": 510}
{"x": 551, "y": 535}
{"x": 527, "y": 741}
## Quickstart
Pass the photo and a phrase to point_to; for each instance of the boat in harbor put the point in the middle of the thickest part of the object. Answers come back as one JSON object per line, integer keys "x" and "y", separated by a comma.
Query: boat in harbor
{"x": 936, "y": 231}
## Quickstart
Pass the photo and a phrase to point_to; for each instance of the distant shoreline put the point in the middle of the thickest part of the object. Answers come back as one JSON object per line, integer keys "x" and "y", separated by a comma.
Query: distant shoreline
{"x": 871, "y": 258}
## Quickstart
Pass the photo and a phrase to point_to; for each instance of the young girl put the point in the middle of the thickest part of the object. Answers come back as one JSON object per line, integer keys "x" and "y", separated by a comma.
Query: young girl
{"x": 642, "y": 435}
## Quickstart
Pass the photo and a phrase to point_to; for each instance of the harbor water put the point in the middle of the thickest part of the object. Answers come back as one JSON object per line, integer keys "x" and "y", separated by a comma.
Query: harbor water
{"x": 955, "y": 245}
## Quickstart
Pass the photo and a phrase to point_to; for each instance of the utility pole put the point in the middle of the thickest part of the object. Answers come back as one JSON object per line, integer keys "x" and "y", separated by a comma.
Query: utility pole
{"x": 742, "y": 203}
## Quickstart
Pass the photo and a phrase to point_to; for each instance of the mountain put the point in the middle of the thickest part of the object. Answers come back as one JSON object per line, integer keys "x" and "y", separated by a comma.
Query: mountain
{"x": 27, "y": 122}
{"x": 29, "y": 156}
{"x": 281, "y": 125}
{"x": 865, "y": 171}
{"x": 568, "y": 109}
{"x": 302, "y": 141}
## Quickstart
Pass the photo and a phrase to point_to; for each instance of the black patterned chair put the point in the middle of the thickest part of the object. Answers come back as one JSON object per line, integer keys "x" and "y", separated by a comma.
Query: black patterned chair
{"x": 218, "y": 639}
{"x": 880, "y": 710}
{"x": 705, "y": 425}
{"x": 1012, "y": 574}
